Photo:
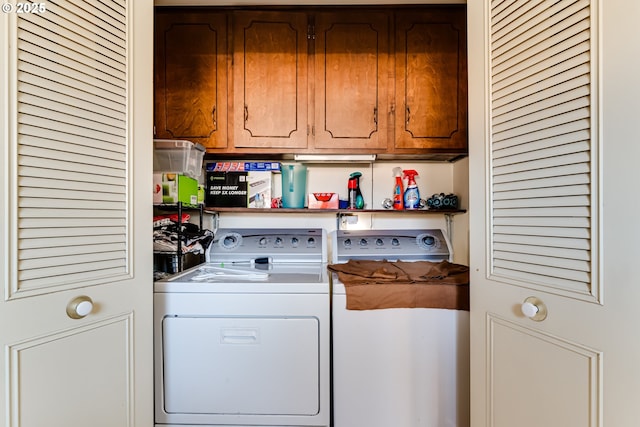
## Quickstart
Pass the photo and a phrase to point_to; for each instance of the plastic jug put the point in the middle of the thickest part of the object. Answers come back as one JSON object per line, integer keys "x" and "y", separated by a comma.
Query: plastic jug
{"x": 294, "y": 185}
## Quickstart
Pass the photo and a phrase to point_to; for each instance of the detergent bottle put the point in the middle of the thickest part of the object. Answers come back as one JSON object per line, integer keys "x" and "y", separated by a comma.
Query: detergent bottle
{"x": 398, "y": 201}
{"x": 411, "y": 194}
{"x": 356, "y": 201}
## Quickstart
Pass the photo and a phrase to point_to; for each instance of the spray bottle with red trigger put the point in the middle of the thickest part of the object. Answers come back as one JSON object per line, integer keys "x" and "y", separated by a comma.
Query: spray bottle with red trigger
{"x": 398, "y": 201}
{"x": 411, "y": 194}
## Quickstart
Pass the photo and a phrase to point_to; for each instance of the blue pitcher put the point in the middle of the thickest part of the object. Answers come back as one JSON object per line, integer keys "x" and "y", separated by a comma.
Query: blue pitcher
{"x": 294, "y": 185}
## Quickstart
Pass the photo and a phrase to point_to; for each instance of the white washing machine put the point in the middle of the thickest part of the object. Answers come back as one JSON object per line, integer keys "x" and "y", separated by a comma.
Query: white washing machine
{"x": 243, "y": 340}
{"x": 400, "y": 367}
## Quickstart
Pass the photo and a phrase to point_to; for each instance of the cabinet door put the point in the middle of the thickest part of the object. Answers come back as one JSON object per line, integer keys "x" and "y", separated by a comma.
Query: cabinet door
{"x": 351, "y": 80}
{"x": 431, "y": 80}
{"x": 270, "y": 79}
{"x": 191, "y": 77}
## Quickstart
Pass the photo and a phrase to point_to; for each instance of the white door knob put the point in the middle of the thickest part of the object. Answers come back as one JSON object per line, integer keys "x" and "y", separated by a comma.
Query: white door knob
{"x": 79, "y": 307}
{"x": 529, "y": 309}
{"x": 534, "y": 309}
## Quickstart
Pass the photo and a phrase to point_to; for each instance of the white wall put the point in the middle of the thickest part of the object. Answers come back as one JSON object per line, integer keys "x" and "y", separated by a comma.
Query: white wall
{"x": 377, "y": 183}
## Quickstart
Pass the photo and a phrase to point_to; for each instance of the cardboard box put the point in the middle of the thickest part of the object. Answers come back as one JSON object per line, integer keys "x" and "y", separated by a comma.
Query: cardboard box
{"x": 227, "y": 190}
{"x": 323, "y": 201}
{"x": 242, "y": 166}
{"x": 171, "y": 188}
{"x": 260, "y": 188}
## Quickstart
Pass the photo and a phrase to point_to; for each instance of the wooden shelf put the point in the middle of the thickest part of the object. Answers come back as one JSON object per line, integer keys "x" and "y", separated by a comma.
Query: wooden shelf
{"x": 336, "y": 211}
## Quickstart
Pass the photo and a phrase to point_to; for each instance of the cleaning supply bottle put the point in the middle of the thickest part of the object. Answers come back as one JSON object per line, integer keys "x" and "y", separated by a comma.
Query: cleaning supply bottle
{"x": 398, "y": 191}
{"x": 411, "y": 194}
{"x": 356, "y": 201}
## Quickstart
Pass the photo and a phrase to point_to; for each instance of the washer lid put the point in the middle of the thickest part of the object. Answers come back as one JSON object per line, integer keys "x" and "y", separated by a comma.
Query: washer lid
{"x": 286, "y": 277}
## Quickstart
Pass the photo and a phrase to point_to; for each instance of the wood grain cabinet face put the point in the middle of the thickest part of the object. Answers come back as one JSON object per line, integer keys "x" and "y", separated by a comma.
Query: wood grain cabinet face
{"x": 351, "y": 80}
{"x": 431, "y": 80}
{"x": 270, "y": 80}
{"x": 191, "y": 77}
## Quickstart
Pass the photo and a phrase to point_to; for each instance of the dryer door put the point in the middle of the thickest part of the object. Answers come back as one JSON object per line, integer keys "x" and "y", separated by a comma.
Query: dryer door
{"x": 241, "y": 365}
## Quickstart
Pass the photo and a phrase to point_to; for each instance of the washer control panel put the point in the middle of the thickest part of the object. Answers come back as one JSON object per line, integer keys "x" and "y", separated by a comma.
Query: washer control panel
{"x": 391, "y": 245}
{"x": 277, "y": 244}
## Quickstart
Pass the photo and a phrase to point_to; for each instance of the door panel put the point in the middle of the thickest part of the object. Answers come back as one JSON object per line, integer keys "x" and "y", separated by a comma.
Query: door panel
{"x": 351, "y": 57}
{"x": 76, "y": 379}
{"x": 75, "y": 119}
{"x": 270, "y": 80}
{"x": 536, "y": 362}
{"x": 431, "y": 80}
{"x": 191, "y": 76}
{"x": 552, "y": 149}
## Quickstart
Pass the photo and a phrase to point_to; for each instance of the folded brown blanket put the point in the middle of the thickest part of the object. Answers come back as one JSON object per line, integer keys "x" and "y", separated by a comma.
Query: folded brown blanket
{"x": 401, "y": 284}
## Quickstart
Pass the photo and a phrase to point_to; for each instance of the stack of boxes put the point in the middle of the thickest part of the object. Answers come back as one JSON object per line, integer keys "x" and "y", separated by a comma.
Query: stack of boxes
{"x": 177, "y": 164}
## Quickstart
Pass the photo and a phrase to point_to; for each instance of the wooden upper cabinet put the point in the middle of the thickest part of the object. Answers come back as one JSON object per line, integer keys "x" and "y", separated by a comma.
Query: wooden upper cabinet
{"x": 431, "y": 80}
{"x": 190, "y": 72}
{"x": 351, "y": 80}
{"x": 270, "y": 73}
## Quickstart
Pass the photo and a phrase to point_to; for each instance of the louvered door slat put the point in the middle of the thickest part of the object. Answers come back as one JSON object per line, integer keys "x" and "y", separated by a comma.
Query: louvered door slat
{"x": 72, "y": 145}
{"x": 56, "y": 232}
{"x": 542, "y": 221}
{"x": 70, "y": 196}
{"x": 57, "y": 243}
{"x": 74, "y": 250}
{"x": 72, "y": 275}
{"x": 65, "y": 154}
{"x": 549, "y": 252}
{"x": 546, "y": 242}
{"x": 522, "y": 177}
{"x": 539, "y": 192}
{"x": 69, "y": 185}
{"x": 570, "y": 232}
{"x": 82, "y": 205}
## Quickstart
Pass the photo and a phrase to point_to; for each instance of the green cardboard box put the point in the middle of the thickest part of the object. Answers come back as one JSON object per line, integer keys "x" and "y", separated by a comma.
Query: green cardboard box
{"x": 171, "y": 188}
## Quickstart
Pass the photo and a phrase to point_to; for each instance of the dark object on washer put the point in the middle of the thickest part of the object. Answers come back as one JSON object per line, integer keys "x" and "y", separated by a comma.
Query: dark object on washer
{"x": 442, "y": 201}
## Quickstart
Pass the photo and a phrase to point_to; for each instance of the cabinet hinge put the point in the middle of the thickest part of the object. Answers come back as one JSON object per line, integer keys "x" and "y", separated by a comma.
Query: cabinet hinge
{"x": 311, "y": 32}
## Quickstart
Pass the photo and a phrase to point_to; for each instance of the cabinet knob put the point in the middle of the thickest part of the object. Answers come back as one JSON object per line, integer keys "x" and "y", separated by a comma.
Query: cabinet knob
{"x": 79, "y": 307}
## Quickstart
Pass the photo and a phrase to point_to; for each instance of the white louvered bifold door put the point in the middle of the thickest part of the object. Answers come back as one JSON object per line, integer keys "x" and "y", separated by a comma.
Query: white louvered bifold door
{"x": 544, "y": 146}
{"x": 71, "y": 145}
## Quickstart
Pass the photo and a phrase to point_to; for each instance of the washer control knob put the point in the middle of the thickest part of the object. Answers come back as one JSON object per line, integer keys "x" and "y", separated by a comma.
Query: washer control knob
{"x": 363, "y": 242}
{"x": 262, "y": 241}
{"x": 278, "y": 241}
{"x": 347, "y": 242}
{"x": 311, "y": 241}
{"x": 429, "y": 240}
{"x": 294, "y": 241}
{"x": 379, "y": 242}
{"x": 395, "y": 242}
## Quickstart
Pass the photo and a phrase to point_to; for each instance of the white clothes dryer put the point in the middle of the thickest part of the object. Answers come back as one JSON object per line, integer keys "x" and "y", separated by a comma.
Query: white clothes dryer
{"x": 243, "y": 339}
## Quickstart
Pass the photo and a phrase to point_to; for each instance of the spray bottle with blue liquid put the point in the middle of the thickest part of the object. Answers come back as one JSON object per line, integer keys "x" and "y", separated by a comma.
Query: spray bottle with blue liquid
{"x": 411, "y": 194}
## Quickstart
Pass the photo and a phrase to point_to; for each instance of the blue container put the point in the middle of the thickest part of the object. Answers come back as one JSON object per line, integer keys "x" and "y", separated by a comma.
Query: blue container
{"x": 294, "y": 185}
